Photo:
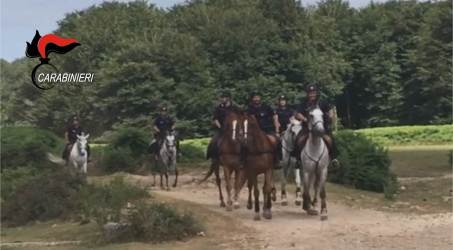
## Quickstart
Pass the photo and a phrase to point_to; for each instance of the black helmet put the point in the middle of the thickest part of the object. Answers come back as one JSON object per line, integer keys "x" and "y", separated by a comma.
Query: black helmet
{"x": 312, "y": 87}
{"x": 253, "y": 94}
{"x": 282, "y": 97}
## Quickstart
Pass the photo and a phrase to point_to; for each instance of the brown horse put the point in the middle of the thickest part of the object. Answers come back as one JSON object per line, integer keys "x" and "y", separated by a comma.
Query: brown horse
{"x": 261, "y": 151}
{"x": 230, "y": 157}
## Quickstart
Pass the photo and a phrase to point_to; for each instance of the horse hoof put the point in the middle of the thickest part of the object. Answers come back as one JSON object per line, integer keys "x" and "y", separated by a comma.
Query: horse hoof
{"x": 257, "y": 217}
{"x": 249, "y": 206}
{"x": 324, "y": 217}
{"x": 284, "y": 203}
{"x": 236, "y": 205}
{"x": 312, "y": 212}
{"x": 229, "y": 208}
{"x": 222, "y": 204}
{"x": 267, "y": 214}
{"x": 298, "y": 203}
{"x": 174, "y": 185}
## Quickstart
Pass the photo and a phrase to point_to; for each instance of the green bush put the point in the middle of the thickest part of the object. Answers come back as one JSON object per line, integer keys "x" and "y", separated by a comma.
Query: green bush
{"x": 104, "y": 203}
{"x": 410, "y": 135}
{"x": 13, "y": 178}
{"x": 27, "y": 146}
{"x": 126, "y": 151}
{"x": 158, "y": 222}
{"x": 194, "y": 150}
{"x": 364, "y": 164}
{"x": 49, "y": 195}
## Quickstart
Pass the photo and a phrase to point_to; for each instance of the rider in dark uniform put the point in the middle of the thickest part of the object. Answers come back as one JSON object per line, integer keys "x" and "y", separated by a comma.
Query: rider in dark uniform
{"x": 302, "y": 112}
{"x": 220, "y": 113}
{"x": 264, "y": 114}
{"x": 162, "y": 124}
{"x": 70, "y": 135}
{"x": 284, "y": 113}
{"x": 267, "y": 120}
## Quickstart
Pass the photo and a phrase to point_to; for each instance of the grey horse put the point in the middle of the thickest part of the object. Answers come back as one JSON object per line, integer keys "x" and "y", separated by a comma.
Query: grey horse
{"x": 315, "y": 161}
{"x": 78, "y": 156}
{"x": 289, "y": 162}
{"x": 166, "y": 160}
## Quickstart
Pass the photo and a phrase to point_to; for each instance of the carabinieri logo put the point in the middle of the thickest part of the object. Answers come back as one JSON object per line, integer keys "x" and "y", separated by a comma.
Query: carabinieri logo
{"x": 45, "y": 75}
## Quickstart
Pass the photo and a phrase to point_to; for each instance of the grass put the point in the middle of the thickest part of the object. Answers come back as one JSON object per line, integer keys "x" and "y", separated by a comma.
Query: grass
{"x": 420, "y": 161}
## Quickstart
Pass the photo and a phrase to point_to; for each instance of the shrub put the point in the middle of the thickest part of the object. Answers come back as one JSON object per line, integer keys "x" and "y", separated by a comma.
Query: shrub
{"x": 410, "y": 135}
{"x": 158, "y": 222}
{"x": 104, "y": 203}
{"x": 27, "y": 146}
{"x": 49, "y": 195}
{"x": 13, "y": 178}
{"x": 126, "y": 151}
{"x": 364, "y": 164}
{"x": 194, "y": 149}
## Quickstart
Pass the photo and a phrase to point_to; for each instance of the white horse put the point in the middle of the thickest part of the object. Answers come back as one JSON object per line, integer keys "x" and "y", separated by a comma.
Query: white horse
{"x": 78, "y": 157}
{"x": 315, "y": 161}
{"x": 289, "y": 162}
{"x": 167, "y": 158}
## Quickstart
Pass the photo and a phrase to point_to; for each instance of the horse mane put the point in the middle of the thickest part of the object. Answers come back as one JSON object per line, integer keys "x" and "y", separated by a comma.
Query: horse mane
{"x": 227, "y": 145}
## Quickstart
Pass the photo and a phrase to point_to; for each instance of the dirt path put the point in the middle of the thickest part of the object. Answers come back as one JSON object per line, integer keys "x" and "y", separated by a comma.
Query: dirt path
{"x": 346, "y": 228}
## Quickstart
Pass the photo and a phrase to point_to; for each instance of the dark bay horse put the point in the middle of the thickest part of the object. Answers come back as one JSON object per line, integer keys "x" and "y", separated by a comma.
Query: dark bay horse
{"x": 261, "y": 151}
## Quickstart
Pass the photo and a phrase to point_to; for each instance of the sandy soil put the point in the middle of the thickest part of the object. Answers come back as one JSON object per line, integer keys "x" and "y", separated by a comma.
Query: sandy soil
{"x": 346, "y": 228}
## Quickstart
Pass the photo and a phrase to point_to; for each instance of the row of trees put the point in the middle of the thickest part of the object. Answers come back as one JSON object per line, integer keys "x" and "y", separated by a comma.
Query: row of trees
{"x": 385, "y": 64}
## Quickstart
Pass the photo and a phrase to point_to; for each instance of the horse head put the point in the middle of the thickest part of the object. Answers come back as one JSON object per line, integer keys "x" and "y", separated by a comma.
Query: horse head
{"x": 316, "y": 121}
{"x": 295, "y": 126}
{"x": 82, "y": 141}
{"x": 170, "y": 140}
{"x": 235, "y": 126}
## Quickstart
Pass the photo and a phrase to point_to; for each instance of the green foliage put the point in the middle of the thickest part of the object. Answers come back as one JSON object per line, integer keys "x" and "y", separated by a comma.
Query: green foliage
{"x": 27, "y": 146}
{"x": 46, "y": 196}
{"x": 105, "y": 203}
{"x": 157, "y": 222}
{"x": 364, "y": 164}
{"x": 194, "y": 150}
{"x": 13, "y": 178}
{"x": 127, "y": 150}
{"x": 410, "y": 135}
{"x": 383, "y": 65}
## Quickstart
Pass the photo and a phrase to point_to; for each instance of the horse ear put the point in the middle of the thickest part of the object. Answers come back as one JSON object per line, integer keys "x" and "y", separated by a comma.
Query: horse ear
{"x": 86, "y": 137}
{"x": 78, "y": 137}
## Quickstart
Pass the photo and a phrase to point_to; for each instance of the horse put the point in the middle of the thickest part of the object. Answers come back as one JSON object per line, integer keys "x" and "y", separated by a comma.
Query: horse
{"x": 166, "y": 159}
{"x": 78, "y": 156}
{"x": 315, "y": 161}
{"x": 230, "y": 157}
{"x": 289, "y": 162}
{"x": 261, "y": 155}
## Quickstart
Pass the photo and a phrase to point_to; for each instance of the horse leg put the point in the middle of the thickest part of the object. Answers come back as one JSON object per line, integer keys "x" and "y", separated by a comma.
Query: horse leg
{"x": 228, "y": 188}
{"x": 161, "y": 183}
{"x": 249, "y": 200}
{"x": 314, "y": 203}
{"x": 267, "y": 189}
{"x": 322, "y": 184}
{"x": 309, "y": 178}
{"x": 256, "y": 194}
{"x": 239, "y": 182}
{"x": 219, "y": 185}
{"x": 283, "y": 185}
{"x": 298, "y": 200}
{"x": 166, "y": 181}
{"x": 154, "y": 180}
{"x": 84, "y": 168}
{"x": 176, "y": 177}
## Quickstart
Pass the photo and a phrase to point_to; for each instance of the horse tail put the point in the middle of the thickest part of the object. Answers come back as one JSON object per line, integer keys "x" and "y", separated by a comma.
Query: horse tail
{"x": 214, "y": 167}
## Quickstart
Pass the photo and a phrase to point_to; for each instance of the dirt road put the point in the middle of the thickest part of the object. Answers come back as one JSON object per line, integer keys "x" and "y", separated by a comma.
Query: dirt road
{"x": 346, "y": 228}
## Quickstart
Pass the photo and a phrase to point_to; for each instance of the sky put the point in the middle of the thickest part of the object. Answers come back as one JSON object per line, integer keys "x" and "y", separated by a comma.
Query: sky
{"x": 20, "y": 19}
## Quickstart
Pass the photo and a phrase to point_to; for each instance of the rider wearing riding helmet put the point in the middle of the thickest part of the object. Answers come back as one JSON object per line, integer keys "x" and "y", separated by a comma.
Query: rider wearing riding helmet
{"x": 302, "y": 113}
{"x": 72, "y": 131}
{"x": 284, "y": 113}
{"x": 221, "y": 111}
{"x": 162, "y": 124}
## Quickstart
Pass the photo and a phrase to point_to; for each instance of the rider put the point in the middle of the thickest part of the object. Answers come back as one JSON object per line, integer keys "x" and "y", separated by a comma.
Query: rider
{"x": 70, "y": 135}
{"x": 313, "y": 100}
{"x": 266, "y": 117}
{"x": 162, "y": 124}
{"x": 220, "y": 113}
{"x": 284, "y": 113}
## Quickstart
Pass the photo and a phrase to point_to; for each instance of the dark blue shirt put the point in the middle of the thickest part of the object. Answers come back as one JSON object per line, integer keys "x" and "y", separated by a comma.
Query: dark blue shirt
{"x": 163, "y": 123}
{"x": 283, "y": 116}
{"x": 264, "y": 115}
{"x": 73, "y": 132}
